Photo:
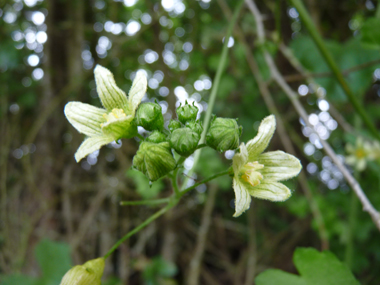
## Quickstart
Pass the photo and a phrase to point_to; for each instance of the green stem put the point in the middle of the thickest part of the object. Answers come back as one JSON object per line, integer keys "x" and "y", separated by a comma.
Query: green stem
{"x": 183, "y": 192}
{"x": 175, "y": 176}
{"x": 215, "y": 85}
{"x": 307, "y": 21}
{"x": 140, "y": 137}
{"x": 139, "y": 227}
{"x": 145, "y": 202}
{"x": 172, "y": 201}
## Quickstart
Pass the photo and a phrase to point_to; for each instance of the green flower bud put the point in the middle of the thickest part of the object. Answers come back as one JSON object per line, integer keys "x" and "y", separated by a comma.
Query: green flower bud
{"x": 89, "y": 273}
{"x": 195, "y": 126}
{"x": 156, "y": 137}
{"x": 223, "y": 134}
{"x": 155, "y": 160}
{"x": 174, "y": 124}
{"x": 187, "y": 113}
{"x": 184, "y": 141}
{"x": 149, "y": 116}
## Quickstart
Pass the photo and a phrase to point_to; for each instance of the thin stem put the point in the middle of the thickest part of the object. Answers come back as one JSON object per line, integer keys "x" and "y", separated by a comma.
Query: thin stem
{"x": 145, "y": 202}
{"x": 183, "y": 192}
{"x": 172, "y": 201}
{"x": 140, "y": 137}
{"x": 140, "y": 227}
{"x": 215, "y": 85}
{"x": 175, "y": 176}
{"x": 305, "y": 17}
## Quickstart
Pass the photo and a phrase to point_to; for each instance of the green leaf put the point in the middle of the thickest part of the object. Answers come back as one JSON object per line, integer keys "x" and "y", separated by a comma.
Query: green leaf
{"x": 315, "y": 268}
{"x": 279, "y": 277}
{"x": 54, "y": 260}
{"x": 370, "y": 33}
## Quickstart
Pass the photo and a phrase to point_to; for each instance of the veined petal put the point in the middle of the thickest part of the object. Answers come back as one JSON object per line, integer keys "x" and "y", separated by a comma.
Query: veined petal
{"x": 279, "y": 165}
{"x": 91, "y": 144}
{"x": 85, "y": 118}
{"x": 259, "y": 143}
{"x": 270, "y": 190}
{"x": 242, "y": 197}
{"x": 240, "y": 159}
{"x": 137, "y": 91}
{"x": 110, "y": 95}
{"x": 124, "y": 127}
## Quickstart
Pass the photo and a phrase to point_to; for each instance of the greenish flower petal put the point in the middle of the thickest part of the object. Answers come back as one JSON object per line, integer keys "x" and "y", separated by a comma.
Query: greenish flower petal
{"x": 279, "y": 165}
{"x": 240, "y": 159}
{"x": 137, "y": 91}
{"x": 91, "y": 144}
{"x": 257, "y": 145}
{"x": 270, "y": 190}
{"x": 242, "y": 197}
{"x": 110, "y": 95}
{"x": 124, "y": 127}
{"x": 89, "y": 273}
{"x": 85, "y": 118}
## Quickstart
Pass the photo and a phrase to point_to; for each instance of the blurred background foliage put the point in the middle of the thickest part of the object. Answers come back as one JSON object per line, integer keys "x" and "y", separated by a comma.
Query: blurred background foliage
{"x": 56, "y": 213}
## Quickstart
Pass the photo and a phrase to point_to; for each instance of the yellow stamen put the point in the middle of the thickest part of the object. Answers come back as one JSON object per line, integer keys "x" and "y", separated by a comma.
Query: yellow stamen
{"x": 114, "y": 115}
{"x": 250, "y": 174}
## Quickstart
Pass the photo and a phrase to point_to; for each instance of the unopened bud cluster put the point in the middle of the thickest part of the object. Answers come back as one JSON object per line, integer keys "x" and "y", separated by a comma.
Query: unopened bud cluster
{"x": 155, "y": 157}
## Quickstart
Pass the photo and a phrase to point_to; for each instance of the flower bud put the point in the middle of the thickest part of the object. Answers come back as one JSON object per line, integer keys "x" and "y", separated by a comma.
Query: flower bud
{"x": 156, "y": 137}
{"x": 184, "y": 141}
{"x": 174, "y": 124}
{"x": 155, "y": 160}
{"x": 89, "y": 273}
{"x": 187, "y": 113}
{"x": 223, "y": 134}
{"x": 149, "y": 116}
{"x": 195, "y": 126}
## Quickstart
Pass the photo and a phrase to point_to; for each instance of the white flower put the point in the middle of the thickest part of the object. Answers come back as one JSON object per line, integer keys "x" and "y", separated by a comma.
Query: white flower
{"x": 257, "y": 174}
{"x": 116, "y": 121}
{"x": 360, "y": 154}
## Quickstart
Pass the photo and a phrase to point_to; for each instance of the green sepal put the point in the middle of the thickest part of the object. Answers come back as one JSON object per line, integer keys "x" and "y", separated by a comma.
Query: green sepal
{"x": 122, "y": 128}
{"x": 156, "y": 137}
{"x": 174, "y": 124}
{"x": 187, "y": 113}
{"x": 223, "y": 134}
{"x": 195, "y": 126}
{"x": 155, "y": 160}
{"x": 149, "y": 116}
{"x": 184, "y": 141}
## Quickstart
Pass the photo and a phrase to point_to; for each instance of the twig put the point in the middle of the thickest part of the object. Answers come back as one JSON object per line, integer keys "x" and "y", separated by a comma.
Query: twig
{"x": 281, "y": 130}
{"x": 333, "y": 66}
{"x": 309, "y": 77}
{"x": 196, "y": 261}
{"x": 299, "y": 77}
{"x": 367, "y": 206}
